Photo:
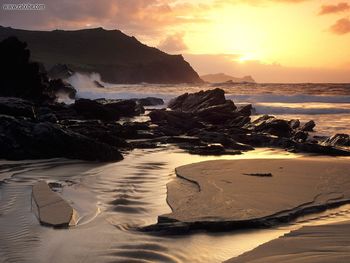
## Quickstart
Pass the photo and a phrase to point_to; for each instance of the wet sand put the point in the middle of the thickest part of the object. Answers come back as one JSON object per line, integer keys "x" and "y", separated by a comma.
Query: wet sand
{"x": 225, "y": 195}
{"x": 310, "y": 244}
{"x": 114, "y": 200}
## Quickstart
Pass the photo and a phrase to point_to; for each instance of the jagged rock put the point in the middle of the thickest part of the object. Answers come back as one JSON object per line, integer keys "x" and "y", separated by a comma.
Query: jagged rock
{"x": 58, "y": 87}
{"x": 294, "y": 124}
{"x": 238, "y": 121}
{"x": 320, "y": 149}
{"x": 60, "y": 71}
{"x": 218, "y": 114}
{"x": 273, "y": 126}
{"x": 92, "y": 109}
{"x": 109, "y": 133}
{"x": 245, "y": 110}
{"x": 150, "y": 101}
{"x": 300, "y": 136}
{"x": 108, "y": 110}
{"x": 223, "y": 139}
{"x": 125, "y": 108}
{"x": 198, "y": 101}
{"x": 210, "y": 149}
{"x": 16, "y": 107}
{"x": 49, "y": 117}
{"x": 338, "y": 140}
{"x": 61, "y": 111}
{"x": 23, "y": 139}
{"x": 180, "y": 120}
{"x": 309, "y": 126}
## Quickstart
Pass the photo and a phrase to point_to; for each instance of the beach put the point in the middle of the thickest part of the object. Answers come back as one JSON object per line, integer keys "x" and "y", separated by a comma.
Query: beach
{"x": 118, "y": 202}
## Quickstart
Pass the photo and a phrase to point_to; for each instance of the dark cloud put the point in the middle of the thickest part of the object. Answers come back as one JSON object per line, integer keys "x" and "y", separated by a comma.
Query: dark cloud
{"x": 173, "y": 43}
{"x": 330, "y": 9}
{"x": 341, "y": 27}
{"x": 133, "y": 16}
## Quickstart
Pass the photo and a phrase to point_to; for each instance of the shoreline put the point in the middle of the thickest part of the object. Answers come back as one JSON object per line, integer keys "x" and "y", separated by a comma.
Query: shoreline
{"x": 116, "y": 190}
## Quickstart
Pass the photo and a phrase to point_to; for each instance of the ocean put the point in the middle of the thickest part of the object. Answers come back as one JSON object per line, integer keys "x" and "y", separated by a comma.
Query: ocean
{"x": 327, "y": 104}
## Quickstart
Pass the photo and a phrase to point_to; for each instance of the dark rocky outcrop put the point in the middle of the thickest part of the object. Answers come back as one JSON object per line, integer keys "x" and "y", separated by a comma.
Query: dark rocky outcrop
{"x": 150, "y": 101}
{"x": 342, "y": 140}
{"x": 107, "y": 110}
{"x": 24, "y": 139}
{"x": 273, "y": 126}
{"x": 202, "y": 100}
{"x": 60, "y": 71}
{"x": 175, "y": 119}
{"x": 26, "y": 79}
{"x": 117, "y": 57}
{"x": 309, "y": 126}
{"x": 294, "y": 124}
{"x": 17, "y": 107}
{"x": 58, "y": 86}
{"x": 125, "y": 108}
{"x": 19, "y": 76}
{"x": 216, "y": 122}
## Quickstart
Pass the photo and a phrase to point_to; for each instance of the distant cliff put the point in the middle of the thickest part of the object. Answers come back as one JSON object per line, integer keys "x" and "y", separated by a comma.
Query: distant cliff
{"x": 221, "y": 77}
{"x": 117, "y": 57}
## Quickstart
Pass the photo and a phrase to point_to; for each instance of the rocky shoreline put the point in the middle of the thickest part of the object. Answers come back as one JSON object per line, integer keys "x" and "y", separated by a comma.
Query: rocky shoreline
{"x": 34, "y": 125}
{"x": 202, "y": 123}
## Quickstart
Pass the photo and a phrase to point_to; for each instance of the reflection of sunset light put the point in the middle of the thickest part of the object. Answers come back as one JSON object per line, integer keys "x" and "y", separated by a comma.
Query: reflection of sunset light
{"x": 246, "y": 58}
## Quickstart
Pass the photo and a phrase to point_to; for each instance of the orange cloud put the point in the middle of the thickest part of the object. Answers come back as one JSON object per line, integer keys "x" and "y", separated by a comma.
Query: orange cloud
{"x": 341, "y": 27}
{"x": 330, "y": 9}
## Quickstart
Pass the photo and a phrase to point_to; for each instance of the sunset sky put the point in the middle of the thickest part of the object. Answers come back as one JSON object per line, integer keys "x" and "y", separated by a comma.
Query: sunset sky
{"x": 272, "y": 40}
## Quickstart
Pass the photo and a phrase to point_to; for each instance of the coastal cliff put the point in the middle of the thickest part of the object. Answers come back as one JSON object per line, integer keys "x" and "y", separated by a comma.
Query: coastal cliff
{"x": 117, "y": 57}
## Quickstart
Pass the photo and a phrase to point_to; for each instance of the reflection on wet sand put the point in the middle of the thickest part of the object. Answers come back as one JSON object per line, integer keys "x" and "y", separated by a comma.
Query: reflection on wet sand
{"x": 113, "y": 200}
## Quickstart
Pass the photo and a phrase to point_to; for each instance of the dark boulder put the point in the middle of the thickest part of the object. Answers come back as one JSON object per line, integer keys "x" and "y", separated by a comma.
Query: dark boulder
{"x": 198, "y": 101}
{"x": 104, "y": 132}
{"x": 176, "y": 119}
{"x": 125, "y": 108}
{"x": 91, "y": 109}
{"x": 60, "y": 87}
{"x": 16, "y": 107}
{"x": 309, "y": 126}
{"x": 342, "y": 140}
{"x": 294, "y": 124}
{"x": 60, "y": 71}
{"x": 300, "y": 136}
{"x": 23, "y": 139}
{"x": 273, "y": 126}
{"x": 245, "y": 110}
{"x": 218, "y": 114}
{"x": 149, "y": 101}
{"x": 320, "y": 149}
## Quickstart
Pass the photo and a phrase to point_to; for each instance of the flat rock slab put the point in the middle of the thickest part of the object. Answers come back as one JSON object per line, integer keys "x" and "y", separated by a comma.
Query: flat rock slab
{"x": 310, "y": 244}
{"x": 52, "y": 209}
{"x": 222, "y": 194}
